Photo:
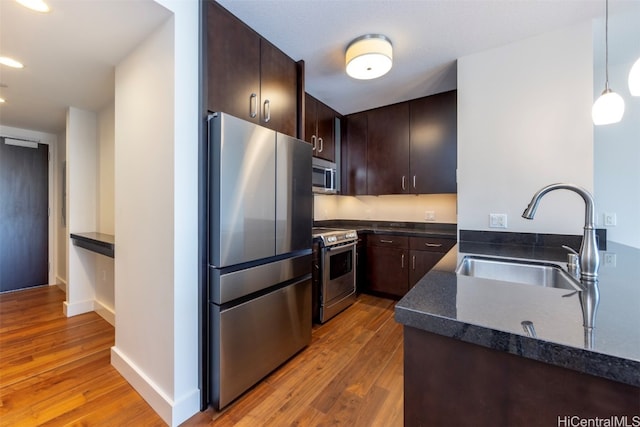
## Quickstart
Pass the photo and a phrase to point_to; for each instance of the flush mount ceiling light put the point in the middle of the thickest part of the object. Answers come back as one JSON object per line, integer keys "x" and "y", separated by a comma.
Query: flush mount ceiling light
{"x": 634, "y": 79}
{"x": 37, "y": 5}
{"x": 609, "y": 107}
{"x": 369, "y": 57}
{"x": 10, "y": 62}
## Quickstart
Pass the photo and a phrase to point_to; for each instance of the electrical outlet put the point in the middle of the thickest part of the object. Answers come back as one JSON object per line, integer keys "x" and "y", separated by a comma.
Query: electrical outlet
{"x": 498, "y": 220}
{"x": 609, "y": 219}
{"x": 609, "y": 259}
{"x": 429, "y": 215}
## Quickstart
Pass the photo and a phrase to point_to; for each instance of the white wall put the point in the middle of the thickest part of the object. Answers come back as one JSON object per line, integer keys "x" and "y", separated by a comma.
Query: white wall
{"x": 82, "y": 146}
{"x": 617, "y": 147}
{"x": 410, "y": 208}
{"x": 524, "y": 121}
{"x": 156, "y": 211}
{"x": 104, "y": 266}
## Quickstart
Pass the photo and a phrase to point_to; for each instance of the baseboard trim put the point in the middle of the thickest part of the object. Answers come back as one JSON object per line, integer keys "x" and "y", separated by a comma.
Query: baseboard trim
{"x": 61, "y": 284}
{"x": 76, "y": 308}
{"x": 107, "y": 313}
{"x": 172, "y": 412}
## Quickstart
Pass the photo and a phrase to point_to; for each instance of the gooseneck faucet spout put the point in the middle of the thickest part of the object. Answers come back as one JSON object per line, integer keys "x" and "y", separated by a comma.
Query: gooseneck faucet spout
{"x": 589, "y": 258}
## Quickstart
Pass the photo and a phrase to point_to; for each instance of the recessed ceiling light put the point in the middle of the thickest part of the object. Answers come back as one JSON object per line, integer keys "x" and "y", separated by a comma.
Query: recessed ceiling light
{"x": 37, "y": 5}
{"x": 10, "y": 62}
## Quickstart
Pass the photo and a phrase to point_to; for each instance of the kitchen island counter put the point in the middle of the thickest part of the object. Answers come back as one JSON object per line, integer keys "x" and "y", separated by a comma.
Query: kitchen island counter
{"x": 485, "y": 316}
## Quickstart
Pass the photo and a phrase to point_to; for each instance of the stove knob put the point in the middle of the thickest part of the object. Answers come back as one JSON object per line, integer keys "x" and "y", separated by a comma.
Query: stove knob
{"x": 332, "y": 239}
{"x": 350, "y": 235}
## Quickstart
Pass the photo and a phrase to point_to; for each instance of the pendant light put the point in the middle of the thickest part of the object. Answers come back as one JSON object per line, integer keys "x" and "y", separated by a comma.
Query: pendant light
{"x": 634, "y": 79}
{"x": 609, "y": 107}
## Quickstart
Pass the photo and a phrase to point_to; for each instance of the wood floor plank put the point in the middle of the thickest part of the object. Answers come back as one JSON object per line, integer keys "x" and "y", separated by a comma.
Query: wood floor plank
{"x": 56, "y": 371}
{"x": 340, "y": 351}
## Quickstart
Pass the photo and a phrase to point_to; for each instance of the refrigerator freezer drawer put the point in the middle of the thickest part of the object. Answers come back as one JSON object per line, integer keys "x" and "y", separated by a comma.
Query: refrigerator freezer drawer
{"x": 252, "y": 339}
{"x": 230, "y": 286}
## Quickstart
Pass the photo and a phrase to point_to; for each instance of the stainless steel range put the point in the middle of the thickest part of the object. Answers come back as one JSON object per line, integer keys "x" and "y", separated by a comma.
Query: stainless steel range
{"x": 334, "y": 271}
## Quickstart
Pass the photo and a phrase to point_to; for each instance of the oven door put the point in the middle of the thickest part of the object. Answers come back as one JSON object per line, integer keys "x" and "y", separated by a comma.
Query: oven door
{"x": 338, "y": 273}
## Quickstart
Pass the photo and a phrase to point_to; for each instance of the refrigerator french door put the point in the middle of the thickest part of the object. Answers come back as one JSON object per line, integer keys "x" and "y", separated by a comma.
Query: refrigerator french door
{"x": 260, "y": 219}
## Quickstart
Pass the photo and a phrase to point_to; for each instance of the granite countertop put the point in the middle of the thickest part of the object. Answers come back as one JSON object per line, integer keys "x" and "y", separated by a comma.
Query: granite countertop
{"x": 490, "y": 312}
{"x": 411, "y": 229}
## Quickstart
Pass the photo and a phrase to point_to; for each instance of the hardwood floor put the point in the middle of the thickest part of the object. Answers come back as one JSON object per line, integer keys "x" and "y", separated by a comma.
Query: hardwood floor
{"x": 55, "y": 371}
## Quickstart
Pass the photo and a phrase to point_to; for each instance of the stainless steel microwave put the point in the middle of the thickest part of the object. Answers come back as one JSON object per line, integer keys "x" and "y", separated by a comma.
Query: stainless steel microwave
{"x": 324, "y": 176}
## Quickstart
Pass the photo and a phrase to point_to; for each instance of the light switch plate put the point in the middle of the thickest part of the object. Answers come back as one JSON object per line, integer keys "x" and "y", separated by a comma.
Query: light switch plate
{"x": 609, "y": 219}
{"x": 497, "y": 220}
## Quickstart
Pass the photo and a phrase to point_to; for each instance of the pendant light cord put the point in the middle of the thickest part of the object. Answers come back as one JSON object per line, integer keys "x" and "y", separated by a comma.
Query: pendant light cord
{"x": 606, "y": 44}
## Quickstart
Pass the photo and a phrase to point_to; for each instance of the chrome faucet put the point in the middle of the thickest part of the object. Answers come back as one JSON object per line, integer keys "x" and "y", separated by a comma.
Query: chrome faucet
{"x": 588, "y": 254}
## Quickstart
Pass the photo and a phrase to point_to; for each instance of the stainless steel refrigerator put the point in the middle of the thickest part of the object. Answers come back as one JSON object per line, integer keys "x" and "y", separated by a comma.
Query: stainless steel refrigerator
{"x": 260, "y": 220}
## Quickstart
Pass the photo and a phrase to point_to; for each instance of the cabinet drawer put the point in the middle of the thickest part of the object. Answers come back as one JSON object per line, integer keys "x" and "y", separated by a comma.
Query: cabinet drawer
{"x": 431, "y": 244}
{"x": 388, "y": 241}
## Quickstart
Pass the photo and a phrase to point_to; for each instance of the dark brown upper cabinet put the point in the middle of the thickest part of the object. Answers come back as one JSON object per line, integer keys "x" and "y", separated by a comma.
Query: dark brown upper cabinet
{"x": 354, "y": 155}
{"x": 433, "y": 124}
{"x": 247, "y": 76}
{"x": 410, "y": 148}
{"x": 320, "y": 128}
{"x": 388, "y": 150}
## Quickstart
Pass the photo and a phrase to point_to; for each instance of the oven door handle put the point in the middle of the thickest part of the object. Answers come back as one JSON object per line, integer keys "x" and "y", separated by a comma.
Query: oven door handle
{"x": 341, "y": 248}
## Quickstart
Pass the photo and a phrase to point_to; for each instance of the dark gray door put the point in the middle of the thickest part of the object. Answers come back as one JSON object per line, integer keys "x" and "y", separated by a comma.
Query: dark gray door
{"x": 24, "y": 227}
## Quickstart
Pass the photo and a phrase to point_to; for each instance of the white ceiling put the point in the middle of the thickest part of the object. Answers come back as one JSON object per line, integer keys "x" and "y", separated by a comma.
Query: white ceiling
{"x": 70, "y": 53}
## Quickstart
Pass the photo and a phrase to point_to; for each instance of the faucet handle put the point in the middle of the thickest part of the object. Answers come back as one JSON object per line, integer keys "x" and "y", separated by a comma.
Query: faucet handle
{"x": 573, "y": 261}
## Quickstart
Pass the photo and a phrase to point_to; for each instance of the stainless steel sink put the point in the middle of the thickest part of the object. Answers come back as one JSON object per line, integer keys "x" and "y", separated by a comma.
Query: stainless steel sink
{"x": 517, "y": 271}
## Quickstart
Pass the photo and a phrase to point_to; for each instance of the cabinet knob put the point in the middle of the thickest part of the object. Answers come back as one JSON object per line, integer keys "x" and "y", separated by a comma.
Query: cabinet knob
{"x": 314, "y": 144}
{"x": 404, "y": 184}
{"x": 386, "y": 241}
{"x": 413, "y": 261}
{"x": 414, "y": 182}
{"x": 433, "y": 245}
{"x": 253, "y": 105}
{"x": 321, "y": 142}
{"x": 402, "y": 261}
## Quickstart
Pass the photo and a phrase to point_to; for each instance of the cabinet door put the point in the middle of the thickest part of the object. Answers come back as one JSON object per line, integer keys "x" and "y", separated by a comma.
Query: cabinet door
{"x": 361, "y": 263}
{"x": 278, "y": 86}
{"x": 311, "y": 122}
{"x": 387, "y": 270}
{"x": 388, "y": 150}
{"x": 326, "y": 118}
{"x": 354, "y": 158}
{"x": 434, "y": 143}
{"x": 233, "y": 65}
{"x": 420, "y": 264}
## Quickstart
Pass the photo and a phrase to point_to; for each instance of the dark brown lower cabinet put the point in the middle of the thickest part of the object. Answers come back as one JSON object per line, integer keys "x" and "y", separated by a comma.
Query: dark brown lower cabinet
{"x": 420, "y": 264}
{"x": 387, "y": 269}
{"x": 448, "y": 382}
{"x": 396, "y": 263}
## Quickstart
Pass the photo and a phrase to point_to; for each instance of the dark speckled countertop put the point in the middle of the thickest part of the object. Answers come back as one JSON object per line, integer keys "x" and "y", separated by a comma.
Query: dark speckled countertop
{"x": 489, "y": 312}
{"x": 416, "y": 229}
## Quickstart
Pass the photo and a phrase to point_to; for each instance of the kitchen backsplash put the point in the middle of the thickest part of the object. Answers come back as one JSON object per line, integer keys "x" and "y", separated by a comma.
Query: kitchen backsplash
{"x": 413, "y": 208}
